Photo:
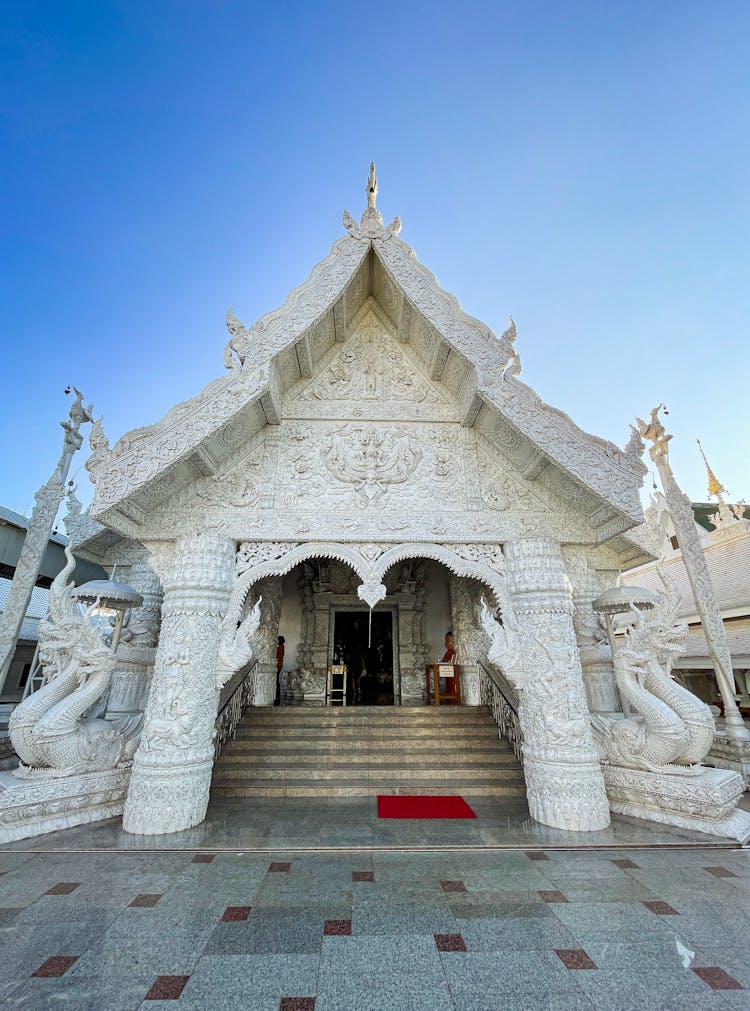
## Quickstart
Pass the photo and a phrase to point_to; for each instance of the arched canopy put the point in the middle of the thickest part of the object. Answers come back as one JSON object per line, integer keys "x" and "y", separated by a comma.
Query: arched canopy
{"x": 371, "y": 562}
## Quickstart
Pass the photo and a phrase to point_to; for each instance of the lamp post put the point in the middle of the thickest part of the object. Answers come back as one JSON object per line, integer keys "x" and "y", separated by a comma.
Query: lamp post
{"x": 46, "y": 503}
{"x": 681, "y": 510}
{"x": 110, "y": 596}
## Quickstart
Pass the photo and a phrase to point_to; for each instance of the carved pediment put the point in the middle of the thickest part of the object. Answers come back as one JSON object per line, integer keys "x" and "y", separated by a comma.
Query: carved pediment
{"x": 373, "y": 376}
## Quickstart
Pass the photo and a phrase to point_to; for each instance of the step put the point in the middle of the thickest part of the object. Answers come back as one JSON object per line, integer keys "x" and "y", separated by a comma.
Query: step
{"x": 464, "y": 788}
{"x": 394, "y": 770}
{"x": 445, "y": 714}
{"x": 231, "y": 758}
{"x": 239, "y": 751}
{"x": 357, "y": 733}
{"x": 390, "y": 711}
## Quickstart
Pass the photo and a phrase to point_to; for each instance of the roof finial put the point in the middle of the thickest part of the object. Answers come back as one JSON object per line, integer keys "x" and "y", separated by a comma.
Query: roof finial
{"x": 372, "y": 187}
{"x": 715, "y": 487}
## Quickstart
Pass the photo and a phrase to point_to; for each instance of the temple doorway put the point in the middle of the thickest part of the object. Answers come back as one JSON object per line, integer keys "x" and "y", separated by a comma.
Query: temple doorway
{"x": 364, "y": 642}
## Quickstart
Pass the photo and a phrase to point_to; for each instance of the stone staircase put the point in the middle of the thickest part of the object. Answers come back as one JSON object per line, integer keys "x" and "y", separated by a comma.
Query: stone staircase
{"x": 297, "y": 751}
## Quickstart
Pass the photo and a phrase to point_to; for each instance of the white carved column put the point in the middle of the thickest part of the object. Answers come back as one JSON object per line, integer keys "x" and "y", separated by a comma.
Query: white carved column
{"x": 171, "y": 775}
{"x": 265, "y": 639}
{"x": 468, "y": 636}
{"x": 564, "y": 782}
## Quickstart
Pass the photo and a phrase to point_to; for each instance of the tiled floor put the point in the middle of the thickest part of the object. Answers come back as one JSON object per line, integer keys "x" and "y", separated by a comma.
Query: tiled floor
{"x": 639, "y": 929}
{"x": 318, "y": 906}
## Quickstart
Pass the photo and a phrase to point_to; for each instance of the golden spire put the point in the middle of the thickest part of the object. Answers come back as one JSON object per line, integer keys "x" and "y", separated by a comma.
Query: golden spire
{"x": 715, "y": 487}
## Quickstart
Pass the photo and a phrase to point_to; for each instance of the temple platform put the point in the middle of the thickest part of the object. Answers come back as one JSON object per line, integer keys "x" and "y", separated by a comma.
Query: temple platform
{"x": 319, "y": 824}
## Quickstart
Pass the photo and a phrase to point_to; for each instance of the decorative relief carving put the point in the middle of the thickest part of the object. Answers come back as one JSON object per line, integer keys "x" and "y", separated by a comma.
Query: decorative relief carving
{"x": 490, "y": 555}
{"x": 371, "y": 458}
{"x": 371, "y": 367}
{"x": 251, "y": 553}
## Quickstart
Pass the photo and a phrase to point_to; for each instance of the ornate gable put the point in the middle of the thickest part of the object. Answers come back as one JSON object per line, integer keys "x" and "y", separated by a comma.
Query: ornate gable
{"x": 371, "y": 338}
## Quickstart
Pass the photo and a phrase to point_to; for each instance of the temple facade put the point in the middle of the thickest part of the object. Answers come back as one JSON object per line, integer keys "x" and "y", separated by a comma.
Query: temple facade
{"x": 370, "y": 467}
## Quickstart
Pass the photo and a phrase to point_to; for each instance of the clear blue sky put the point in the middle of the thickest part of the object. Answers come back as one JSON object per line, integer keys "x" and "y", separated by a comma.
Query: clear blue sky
{"x": 583, "y": 166}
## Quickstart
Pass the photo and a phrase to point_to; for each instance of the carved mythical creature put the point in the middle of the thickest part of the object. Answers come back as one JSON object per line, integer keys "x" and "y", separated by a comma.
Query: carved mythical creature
{"x": 48, "y": 730}
{"x": 99, "y": 444}
{"x": 653, "y": 430}
{"x": 504, "y": 650}
{"x": 674, "y": 729}
{"x": 57, "y": 636}
{"x": 237, "y": 345}
{"x": 511, "y": 361}
{"x": 235, "y": 643}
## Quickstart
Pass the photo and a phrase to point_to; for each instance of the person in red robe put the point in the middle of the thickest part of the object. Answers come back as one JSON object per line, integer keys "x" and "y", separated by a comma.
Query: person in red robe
{"x": 450, "y": 657}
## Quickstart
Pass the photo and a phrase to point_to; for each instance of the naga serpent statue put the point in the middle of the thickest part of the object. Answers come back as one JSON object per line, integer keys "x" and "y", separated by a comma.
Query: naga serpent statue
{"x": 674, "y": 730}
{"x": 49, "y": 729}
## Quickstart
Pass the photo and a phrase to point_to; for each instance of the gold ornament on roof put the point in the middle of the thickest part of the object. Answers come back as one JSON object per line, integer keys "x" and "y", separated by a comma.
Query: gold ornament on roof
{"x": 715, "y": 487}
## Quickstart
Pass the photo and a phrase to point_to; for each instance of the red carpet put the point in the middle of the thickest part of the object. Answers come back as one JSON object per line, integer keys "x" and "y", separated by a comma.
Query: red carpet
{"x": 423, "y": 807}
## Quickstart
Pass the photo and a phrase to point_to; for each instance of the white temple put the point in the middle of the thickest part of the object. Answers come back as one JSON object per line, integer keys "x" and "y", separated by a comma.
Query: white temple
{"x": 371, "y": 451}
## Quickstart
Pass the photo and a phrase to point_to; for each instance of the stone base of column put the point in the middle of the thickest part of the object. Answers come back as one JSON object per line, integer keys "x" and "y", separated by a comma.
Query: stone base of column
{"x": 568, "y": 797}
{"x": 412, "y": 686}
{"x": 265, "y": 684}
{"x": 314, "y": 684}
{"x": 728, "y": 754}
{"x": 167, "y": 798}
{"x": 47, "y": 803}
{"x": 705, "y": 801}
{"x": 470, "y": 689}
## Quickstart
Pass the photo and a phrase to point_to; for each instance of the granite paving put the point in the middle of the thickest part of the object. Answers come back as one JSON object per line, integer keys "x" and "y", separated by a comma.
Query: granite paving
{"x": 646, "y": 928}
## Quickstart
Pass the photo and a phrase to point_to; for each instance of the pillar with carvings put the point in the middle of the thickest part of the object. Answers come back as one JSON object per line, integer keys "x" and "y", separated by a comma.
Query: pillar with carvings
{"x": 564, "y": 782}
{"x": 468, "y": 635}
{"x": 265, "y": 639}
{"x": 171, "y": 776}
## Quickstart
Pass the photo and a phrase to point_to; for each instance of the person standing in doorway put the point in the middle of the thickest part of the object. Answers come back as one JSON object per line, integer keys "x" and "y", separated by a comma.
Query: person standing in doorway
{"x": 279, "y": 668}
{"x": 450, "y": 657}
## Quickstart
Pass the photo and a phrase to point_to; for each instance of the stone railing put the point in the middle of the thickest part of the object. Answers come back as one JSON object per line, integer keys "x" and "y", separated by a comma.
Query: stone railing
{"x": 235, "y": 699}
{"x": 502, "y": 701}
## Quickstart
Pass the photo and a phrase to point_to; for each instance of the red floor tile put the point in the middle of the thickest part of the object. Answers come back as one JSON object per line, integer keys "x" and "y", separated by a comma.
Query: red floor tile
{"x": 716, "y": 978}
{"x": 297, "y": 1004}
{"x": 167, "y": 988}
{"x": 536, "y": 855}
{"x": 551, "y": 896}
{"x": 453, "y": 886}
{"x": 145, "y": 901}
{"x": 720, "y": 872}
{"x": 338, "y": 928}
{"x": 450, "y": 942}
{"x": 63, "y": 888}
{"x": 363, "y": 875}
{"x": 236, "y": 914}
{"x": 625, "y": 864}
{"x": 203, "y": 858}
{"x": 58, "y": 965}
{"x": 575, "y": 958}
{"x": 661, "y": 908}
{"x": 279, "y": 866}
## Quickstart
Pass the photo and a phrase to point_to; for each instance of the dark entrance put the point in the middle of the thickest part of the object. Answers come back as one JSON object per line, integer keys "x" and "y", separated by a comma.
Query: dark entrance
{"x": 370, "y": 667}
